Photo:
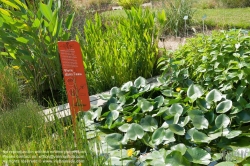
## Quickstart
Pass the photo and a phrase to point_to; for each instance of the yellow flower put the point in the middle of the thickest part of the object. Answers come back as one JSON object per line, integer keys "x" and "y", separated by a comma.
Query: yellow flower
{"x": 129, "y": 119}
{"x": 79, "y": 164}
{"x": 130, "y": 152}
{"x": 16, "y": 67}
{"x": 178, "y": 89}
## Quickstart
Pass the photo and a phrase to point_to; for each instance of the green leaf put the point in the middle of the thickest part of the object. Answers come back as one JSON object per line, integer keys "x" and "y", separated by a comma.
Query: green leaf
{"x": 175, "y": 109}
{"x": 159, "y": 101}
{"x": 149, "y": 123}
{"x": 158, "y": 136}
{"x": 22, "y": 40}
{"x": 177, "y": 129}
{"x": 198, "y": 155}
{"x": 140, "y": 82}
{"x": 145, "y": 105}
{"x": 115, "y": 91}
{"x": 114, "y": 140}
{"x": 126, "y": 87}
{"x": 168, "y": 93}
{"x": 46, "y": 11}
{"x": 198, "y": 119}
{"x": 194, "y": 91}
{"x": 214, "y": 95}
{"x": 224, "y": 106}
{"x": 115, "y": 106}
{"x": 233, "y": 134}
{"x": 225, "y": 163}
{"x": 124, "y": 128}
{"x": 69, "y": 21}
{"x": 135, "y": 131}
{"x": 180, "y": 147}
{"x": 222, "y": 121}
{"x": 197, "y": 136}
{"x": 175, "y": 158}
{"x": 243, "y": 116}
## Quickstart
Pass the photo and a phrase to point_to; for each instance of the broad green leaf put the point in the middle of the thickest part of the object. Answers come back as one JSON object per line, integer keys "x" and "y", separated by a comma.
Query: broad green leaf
{"x": 158, "y": 101}
{"x": 149, "y": 123}
{"x": 233, "y": 134}
{"x": 114, "y": 106}
{"x": 145, "y": 105}
{"x": 213, "y": 95}
{"x": 177, "y": 129}
{"x": 175, "y": 158}
{"x": 194, "y": 92}
{"x": 175, "y": 109}
{"x": 124, "y": 128}
{"x": 46, "y": 11}
{"x": 115, "y": 91}
{"x": 126, "y": 87}
{"x": 135, "y": 131}
{"x": 224, "y": 106}
{"x": 184, "y": 121}
{"x": 198, "y": 119}
{"x": 140, "y": 82}
{"x": 200, "y": 137}
{"x": 114, "y": 140}
{"x": 22, "y": 40}
{"x": 168, "y": 93}
{"x": 198, "y": 155}
{"x": 180, "y": 147}
{"x": 158, "y": 136}
{"x": 225, "y": 163}
{"x": 222, "y": 121}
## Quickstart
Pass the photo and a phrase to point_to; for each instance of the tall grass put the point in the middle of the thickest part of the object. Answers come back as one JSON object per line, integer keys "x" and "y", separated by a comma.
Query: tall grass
{"x": 10, "y": 94}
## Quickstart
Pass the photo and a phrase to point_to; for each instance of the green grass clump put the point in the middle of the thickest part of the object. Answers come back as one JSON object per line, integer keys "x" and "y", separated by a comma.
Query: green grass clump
{"x": 224, "y": 18}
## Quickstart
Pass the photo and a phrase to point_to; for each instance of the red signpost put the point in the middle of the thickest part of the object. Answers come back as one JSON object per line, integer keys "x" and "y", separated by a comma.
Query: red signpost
{"x": 74, "y": 77}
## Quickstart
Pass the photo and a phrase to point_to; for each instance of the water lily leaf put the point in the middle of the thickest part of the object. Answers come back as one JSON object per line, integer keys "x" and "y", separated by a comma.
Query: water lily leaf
{"x": 177, "y": 129}
{"x": 190, "y": 133}
{"x": 224, "y": 106}
{"x": 183, "y": 121}
{"x": 140, "y": 82}
{"x": 225, "y": 163}
{"x": 195, "y": 91}
{"x": 198, "y": 155}
{"x": 222, "y": 121}
{"x": 159, "y": 101}
{"x": 214, "y": 95}
{"x": 149, "y": 123}
{"x": 243, "y": 116}
{"x": 114, "y": 140}
{"x": 198, "y": 119}
{"x": 158, "y": 136}
{"x": 180, "y": 147}
{"x": 200, "y": 137}
{"x": 167, "y": 92}
{"x": 115, "y": 91}
{"x": 203, "y": 104}
{"x": 233, "y": 134}
{"x": 145, "y": 105}
{"x": 175, "y": 109}
{"x": 105, "y": 96}
{"x": 135, "y": 131}
{"x": 126, "y": 87}
{"x": 124, "y": 128}
{"x": 115, "y": 107}
{"x": 175, "y": 158}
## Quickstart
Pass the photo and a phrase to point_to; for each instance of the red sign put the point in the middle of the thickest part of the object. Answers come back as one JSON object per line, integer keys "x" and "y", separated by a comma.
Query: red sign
{"x": 74, "y": 76}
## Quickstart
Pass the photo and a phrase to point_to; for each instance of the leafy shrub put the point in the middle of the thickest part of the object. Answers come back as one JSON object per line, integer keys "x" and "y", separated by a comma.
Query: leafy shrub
{"x": 175, "y": 11}
{"x": 30, "y": 38}
{"x": 128, "y": 4}
{"x": 116, "y": 52}
{"x": 177, "y": 125}
{"x": 10, "y": 94}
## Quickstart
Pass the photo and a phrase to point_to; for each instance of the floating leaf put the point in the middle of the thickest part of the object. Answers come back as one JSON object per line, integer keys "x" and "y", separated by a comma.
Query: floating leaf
{"x": 145, "y": 105}
{"x": 233, "y": 134}
{"x": 225, "y": 163}
{"x": 114, "y": 106}
{"x": 159, "y": 101}
{"x": 135, "y": 131}
{"x": 158, "y": 136}
{"x": 149, "y": 123}
{"x": 243, "y": 116}
{"x": 198, "y": 119}
{"x": 200, "y": 137}
{"x": 126, "y": 87}
{"x": 115, "y": 91}
{"x": 194, "y": 91}
{"x": 198, "y": 155}
{"x": 177, "y": 129}
{"x": 175, "y": 158}
{"x": 180, "y": 147}
{"x": 140, "y": 82}
{"x": 224, "y": 106}
{"x": 213, "y": 95}
{"x": 114, "y": 140}
{"x": 175, "y": 109}
{"x": 124, "y": 128}
{"x": 222, "y": 121}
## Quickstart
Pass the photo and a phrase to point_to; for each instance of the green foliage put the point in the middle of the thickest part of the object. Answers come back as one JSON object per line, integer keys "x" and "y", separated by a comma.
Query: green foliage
{"x": 184, "y": 126}
{"x": 235, "y": 3}
{"x": 116, "y": 52}
{"x": 30, "y": 38}
{"x": 10, "y": 94}
{"x": 175, "y": 11}
{"x": 128, "y": 4}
